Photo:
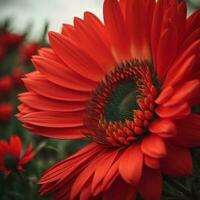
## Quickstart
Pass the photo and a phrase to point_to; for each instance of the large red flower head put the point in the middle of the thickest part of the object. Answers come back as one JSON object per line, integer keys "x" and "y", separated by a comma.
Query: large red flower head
{"x": 130, "y": 84}
{"x": 11, "y": 157}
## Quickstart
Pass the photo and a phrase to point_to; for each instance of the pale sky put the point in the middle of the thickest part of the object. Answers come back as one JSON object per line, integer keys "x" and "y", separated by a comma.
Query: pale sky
{"x": 56, "y": 12}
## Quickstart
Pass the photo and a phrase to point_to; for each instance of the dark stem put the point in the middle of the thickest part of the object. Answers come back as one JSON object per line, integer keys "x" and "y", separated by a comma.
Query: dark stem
{"x": 178, "y": 186}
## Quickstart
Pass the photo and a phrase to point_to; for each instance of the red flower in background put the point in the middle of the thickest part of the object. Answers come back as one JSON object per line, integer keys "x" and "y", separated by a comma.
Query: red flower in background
{"x": 6, "y": 84}
{"x": 17, "y": 74}
{"x": 6, "y": 111}
{"x": 9, "y": 40}
{"x": 12, "y": 158}
{"x": 129, "y": 84}
{"x": 27, "y": 50}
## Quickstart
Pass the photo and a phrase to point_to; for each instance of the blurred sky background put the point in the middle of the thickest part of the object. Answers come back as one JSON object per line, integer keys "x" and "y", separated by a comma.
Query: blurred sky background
{"x": 36, "y": 12}
{"x": 56, "y": 12}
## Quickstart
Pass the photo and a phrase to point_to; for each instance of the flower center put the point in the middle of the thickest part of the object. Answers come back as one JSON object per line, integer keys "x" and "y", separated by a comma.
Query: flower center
{"x": 10, "y": 162}
{"x": 122, "y": 105}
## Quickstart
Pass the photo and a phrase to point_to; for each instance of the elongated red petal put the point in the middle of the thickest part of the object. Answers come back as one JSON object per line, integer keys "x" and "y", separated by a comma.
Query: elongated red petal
{"x": 47, "y": 104}
{"x": 76, "y": 59}
{"x": 40, "y": 85}
{"x": 184, "y": 93}
{"x": 165, "y": 57}
{"x": 54, "y": 119}
{"x": 131, "y": 172}
{"x": 15, "y": 146}
{"x": 102, "y": 170}
{"x": 61, "y": 75}
{"x": 174, "y": 112}
{"x": 115, "y": 26}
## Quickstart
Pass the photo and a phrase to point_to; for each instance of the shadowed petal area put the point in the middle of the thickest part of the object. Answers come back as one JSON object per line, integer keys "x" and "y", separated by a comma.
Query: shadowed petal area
{"x": 120, "y": 190}
{"x": 150, "y": 187}
{"x": 178, "y": 161}
{"x": 188, "y": 132}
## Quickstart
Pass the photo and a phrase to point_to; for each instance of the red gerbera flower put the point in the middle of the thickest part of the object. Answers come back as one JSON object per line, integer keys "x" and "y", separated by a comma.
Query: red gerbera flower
{"x": 11, "y": 157}
{"x": 129, "y": 84}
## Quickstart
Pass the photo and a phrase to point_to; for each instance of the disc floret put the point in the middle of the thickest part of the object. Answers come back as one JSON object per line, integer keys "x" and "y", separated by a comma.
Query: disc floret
{"x": 122, "y": 105}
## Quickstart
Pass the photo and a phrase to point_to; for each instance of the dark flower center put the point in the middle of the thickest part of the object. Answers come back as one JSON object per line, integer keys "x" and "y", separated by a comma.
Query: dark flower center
{"x": 10, "y": 162}
{"x": 122, "y": 105}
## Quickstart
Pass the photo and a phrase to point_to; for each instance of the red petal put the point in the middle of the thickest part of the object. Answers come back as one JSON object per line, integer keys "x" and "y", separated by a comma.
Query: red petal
{"x": 15, "y": 146}
{"x": 87, "y": 173}
{"x": 193, "y": 22}
{"x": 177, "y": 74}
{"x": 154, "y": 146}
{"x": 156, "y": 29}
{"x": 58, "y": 133}
{"x": 174, "y": 112}
{"x": 54, "y": 119}
{"x": 27, "y": 158}
{"x": 178, "y": 162}
{"x": 47, "y": 104}
{"x": 181, "y": 18}
{"x": 37, "y": 83}
{"x": 115, "y": 25}
{"x": 76, "y": 59}
{"x": 59, "y": 177}
{"x": 150, "y": 186}
{"x": 184, "y": 93}
{"x": 61, "y": 75}
{"x": 132, "y": 171}
{"x": 111, "y": 175}
{"x": 152, "y": 162}
{"x": 92, "y": 36}
{"x": 102, "y": 170}
{"x": 163, "y": 127}
{"x": 138, "y": 27}
{"x": 164, "y": 56}
{"x": 164, "y": 95}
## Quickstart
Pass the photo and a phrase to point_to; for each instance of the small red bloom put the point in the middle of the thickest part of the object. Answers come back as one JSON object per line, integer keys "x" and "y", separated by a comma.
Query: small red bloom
{"x": 2, "y": 52}
{"x": 27, "y": 50}
{"x": 129, "y": 84}
{"x": 6, "y": 111}
{"x": 6, "y": 84}
{"x": 11, "y": 156}
{"x": 17, "y": 74}
{"x": 10, "y": 40}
